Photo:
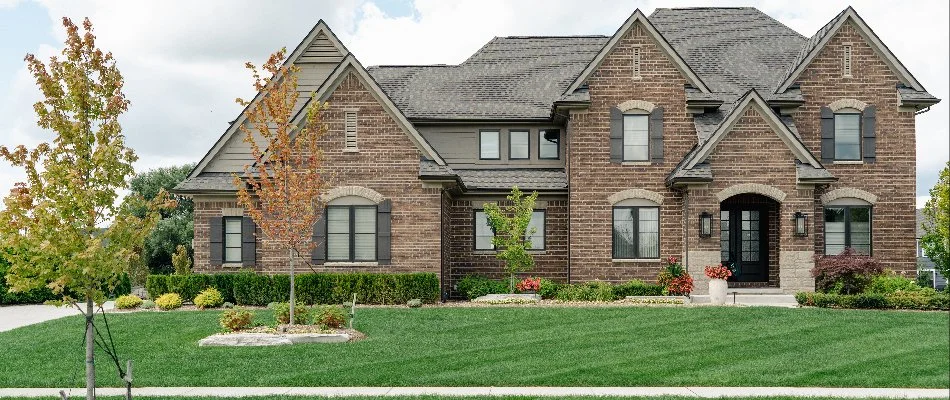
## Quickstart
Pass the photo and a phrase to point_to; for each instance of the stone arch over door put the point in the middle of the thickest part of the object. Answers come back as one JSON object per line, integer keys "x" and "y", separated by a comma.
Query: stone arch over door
{"x": 771, "y": 192}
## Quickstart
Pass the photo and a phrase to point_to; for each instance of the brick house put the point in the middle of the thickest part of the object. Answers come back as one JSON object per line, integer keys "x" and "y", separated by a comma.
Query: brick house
{"x": 709, "y": 134}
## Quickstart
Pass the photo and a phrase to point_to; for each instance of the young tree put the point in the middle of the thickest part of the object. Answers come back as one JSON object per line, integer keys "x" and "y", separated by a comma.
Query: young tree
{"x": 936, "y": 239}
{"x": 50, "y": 227}
{"x": 281, "y": 189}
{"x": 511, "y": 231}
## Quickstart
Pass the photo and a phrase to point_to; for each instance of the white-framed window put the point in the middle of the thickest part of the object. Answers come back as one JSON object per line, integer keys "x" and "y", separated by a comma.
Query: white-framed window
{"x": 350, "y": 130}
{"x": 232, "y": 239}
{"x": 488, "y": 148}
{"x": 848, "y": 134}
{"x": 636, "y": 137}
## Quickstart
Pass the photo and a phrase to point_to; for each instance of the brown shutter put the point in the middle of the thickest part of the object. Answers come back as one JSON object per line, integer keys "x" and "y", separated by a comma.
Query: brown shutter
{"x": 616, "y": 135}
{"x": 656, "y": 135}
{"x": 216, "y": 241}
{"x": 867, "y": 133}
{"x": 319, "y": 253}
{"x": 248, "y": 242}
{"x": 384, "y": 232}
{"x": 827, "y": 135}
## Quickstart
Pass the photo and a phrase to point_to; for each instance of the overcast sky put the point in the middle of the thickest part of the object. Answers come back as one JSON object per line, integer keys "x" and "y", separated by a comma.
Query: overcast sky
{"x": 183, "y": 60}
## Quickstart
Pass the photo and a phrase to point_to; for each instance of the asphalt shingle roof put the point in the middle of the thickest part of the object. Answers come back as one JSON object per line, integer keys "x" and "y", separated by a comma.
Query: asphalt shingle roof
{"x": 208, "y": 181}
{"x": 505, "y": 179}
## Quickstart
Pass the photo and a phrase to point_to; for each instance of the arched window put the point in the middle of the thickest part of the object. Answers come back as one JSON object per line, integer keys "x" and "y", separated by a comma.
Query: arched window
{"x": 848, "y": 223}
{"x": 636, "y": 229}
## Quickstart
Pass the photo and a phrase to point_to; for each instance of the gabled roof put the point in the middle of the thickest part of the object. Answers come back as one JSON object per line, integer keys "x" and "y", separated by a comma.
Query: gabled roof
{"x": 638, "y": 16}
{"x": 321, "y": 30}
{"x": 351, "y": 65}
{"x": 816, "y": 43}
{"x": 753, "y": 99}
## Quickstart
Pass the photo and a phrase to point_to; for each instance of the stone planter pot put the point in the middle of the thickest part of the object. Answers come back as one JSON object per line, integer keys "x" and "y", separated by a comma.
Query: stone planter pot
{"x": 717, "y": 291}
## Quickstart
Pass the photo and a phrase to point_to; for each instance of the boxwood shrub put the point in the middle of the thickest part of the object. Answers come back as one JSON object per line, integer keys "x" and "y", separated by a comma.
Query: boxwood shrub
{"x": 637, "y": 287}
{"x": 248, "y": 288}
{"x": 907, "y": 300}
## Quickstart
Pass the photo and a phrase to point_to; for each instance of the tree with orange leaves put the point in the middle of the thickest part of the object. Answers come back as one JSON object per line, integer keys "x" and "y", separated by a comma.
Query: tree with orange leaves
{"x": 281, "y": 189}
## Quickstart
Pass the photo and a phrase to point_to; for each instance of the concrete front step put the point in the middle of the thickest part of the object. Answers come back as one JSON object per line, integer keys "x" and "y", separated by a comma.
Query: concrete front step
{"x": 777, "y": 300}
{"x": 754, "y": 291}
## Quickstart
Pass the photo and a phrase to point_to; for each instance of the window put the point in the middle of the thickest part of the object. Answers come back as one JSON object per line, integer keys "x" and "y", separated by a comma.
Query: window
{"x": 549, "y": 147}
{"x": 351, "y": 233}
{"x": 848, "y": 135}
{"x": 350, "y": 129}
{"x": 537, "y": 223}
{"x": 483, "y": 232}
{"x": 847, "y": 226}
{"x": 636, "y": 62}
{"x": 232, "y": 239}
{"x": 636, "y": 232}
{"x": 847, "y": 61}
{"x": 518, "y": 145}
{"x": 636, "y": 140}
{"x": 488, "y": 145}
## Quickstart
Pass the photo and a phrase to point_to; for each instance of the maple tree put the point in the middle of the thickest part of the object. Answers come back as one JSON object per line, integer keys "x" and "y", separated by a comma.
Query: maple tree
{"x": 281, "y": 189}
{"x": 51, "y": 228}
{"x": 511, "y": 227}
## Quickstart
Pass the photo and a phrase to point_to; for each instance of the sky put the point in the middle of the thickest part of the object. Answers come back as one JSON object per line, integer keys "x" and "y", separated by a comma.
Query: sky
{"x": 183, "y": 60}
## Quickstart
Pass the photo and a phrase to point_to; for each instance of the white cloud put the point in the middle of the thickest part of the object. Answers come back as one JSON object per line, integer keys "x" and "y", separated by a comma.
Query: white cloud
{"x": 183, "y": 60}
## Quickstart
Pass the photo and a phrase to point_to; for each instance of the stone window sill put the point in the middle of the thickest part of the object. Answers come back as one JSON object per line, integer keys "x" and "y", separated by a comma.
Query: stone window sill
{"x": 351, "y": 150}
{"x": 232, "y": 265}
{"x": 844, "y": 162}
{"x": 351, "y": 264}
{"x": 636, "y": 164}
{"x": 485, "y": 252}
{"x": 636, "y": 260}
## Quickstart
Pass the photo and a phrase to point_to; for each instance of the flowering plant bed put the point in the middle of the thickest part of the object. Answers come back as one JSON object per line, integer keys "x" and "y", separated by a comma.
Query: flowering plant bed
{"x": 521, "y": 298}
{"x": 282, "y": 335}
{"x": 529, "y": 285}
{"x": 657, "y": 299}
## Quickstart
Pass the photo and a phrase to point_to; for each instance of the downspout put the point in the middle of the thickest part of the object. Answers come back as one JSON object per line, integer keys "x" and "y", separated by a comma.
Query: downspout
{"x": 686, "y": 228}
{"x": 567, "y": 171}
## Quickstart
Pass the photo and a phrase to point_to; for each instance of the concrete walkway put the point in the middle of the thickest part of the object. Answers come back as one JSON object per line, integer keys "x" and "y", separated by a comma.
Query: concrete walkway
{"x": 699, "y": 392}
{"x": 12, "y": 317}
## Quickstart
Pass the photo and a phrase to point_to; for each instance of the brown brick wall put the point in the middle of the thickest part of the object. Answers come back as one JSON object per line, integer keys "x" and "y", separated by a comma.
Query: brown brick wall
{"x": 387, "y": 162}
{"x": 892, "y": 178}
{"x": 593, "y": 177}
{"x": 464, "y": 260}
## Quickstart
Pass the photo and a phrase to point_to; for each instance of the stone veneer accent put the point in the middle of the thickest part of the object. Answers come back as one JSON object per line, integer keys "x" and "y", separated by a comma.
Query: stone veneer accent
{"x": 636, "y": 105}
{"x": 848, "y": 193}
{"x": 635, "y": 194}
{"x": 765, "y": 190}
{"x": 847, "y": 103}
{"x": 795, "y": 271}
{"x": 343, "y": 191}
{"x": 697, "y": 261}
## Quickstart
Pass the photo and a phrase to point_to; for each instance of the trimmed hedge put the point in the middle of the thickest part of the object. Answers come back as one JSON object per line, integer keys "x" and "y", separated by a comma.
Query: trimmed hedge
{"x": 44, "y": 294}
{"x": 251, "y": 289}
{"x": 906, "y": 300}
{"x": 637, "y": 287}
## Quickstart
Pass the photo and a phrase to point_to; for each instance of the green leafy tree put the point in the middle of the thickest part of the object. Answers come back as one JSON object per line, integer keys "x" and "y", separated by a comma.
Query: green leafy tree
{"x": 182, "y": 261}
{"x": 511, "y": 232}
{"x": 176, "y": 228}
{"x": 49, "y": 228}
{"x": 936, "y": 239}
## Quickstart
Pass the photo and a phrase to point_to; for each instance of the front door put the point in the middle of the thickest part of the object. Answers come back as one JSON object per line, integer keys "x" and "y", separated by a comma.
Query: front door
{"x": 744, "y": 242}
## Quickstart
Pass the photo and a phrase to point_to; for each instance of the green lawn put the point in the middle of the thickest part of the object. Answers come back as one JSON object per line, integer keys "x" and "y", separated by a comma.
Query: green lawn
{"x": 516, "y": 346}
{"x": 455, "y": 398}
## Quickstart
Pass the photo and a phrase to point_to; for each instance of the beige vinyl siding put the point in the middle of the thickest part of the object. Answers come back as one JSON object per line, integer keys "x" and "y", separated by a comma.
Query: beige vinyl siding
{"x": 459, "y": 146}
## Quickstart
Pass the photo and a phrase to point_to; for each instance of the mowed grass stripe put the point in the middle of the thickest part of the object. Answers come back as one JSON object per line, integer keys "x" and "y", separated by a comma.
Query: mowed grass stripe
{"x": 517, "y": 346}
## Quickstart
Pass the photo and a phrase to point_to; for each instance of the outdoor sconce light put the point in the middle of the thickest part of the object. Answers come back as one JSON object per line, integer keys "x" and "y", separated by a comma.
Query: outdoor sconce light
{"x": 800, "y": 229}
{"x": 705, "y": 224}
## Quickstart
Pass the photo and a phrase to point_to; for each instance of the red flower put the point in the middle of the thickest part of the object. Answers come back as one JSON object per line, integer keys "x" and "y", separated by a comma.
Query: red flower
{"x": 719, "y": 272}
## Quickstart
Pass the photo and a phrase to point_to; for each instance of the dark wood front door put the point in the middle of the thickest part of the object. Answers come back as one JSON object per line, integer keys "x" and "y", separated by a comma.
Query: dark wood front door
{"x": 744, "y": 242}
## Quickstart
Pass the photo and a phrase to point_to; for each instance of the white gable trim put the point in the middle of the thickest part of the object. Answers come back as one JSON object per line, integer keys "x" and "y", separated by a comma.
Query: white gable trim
{"x": 351, "y": 64}
{"x": 875, "y": 42}
{"x": 660, "y": 40}
{"x": 753, "y": 99}
{"x": 291, "y": 59}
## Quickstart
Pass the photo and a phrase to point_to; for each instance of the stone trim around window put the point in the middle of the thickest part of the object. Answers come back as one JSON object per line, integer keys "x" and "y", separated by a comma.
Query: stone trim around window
{"x": 848, "y": 192}
{"x": 841, "y": 104}
{"x": 232, "y": 212}
{"x": 636, "y": 194}
{"x": 359, "y": 191}
{"x": 757, "y": 188}
{"x": 636, "y": 105}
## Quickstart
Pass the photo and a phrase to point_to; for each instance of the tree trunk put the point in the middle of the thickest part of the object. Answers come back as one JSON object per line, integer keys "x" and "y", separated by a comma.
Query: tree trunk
{"x": 293, "y": 301}
{"x": 90, "y": 351}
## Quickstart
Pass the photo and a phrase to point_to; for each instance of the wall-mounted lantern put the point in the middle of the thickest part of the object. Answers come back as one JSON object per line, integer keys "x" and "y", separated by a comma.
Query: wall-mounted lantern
{"x": 705, "y": 224}
{"x": 800, "y": 224}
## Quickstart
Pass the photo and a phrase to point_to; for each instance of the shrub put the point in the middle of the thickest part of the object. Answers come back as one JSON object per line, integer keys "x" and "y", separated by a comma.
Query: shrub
{"x": 548, "y": 289}
{"x": 331, "y": 317}
{"x": 590, "y": 291}
{"x": 680, "y": 286}
{"x": 156, "y": 285}
{"x": 890, "y": 283}
{"x": 529, "y": 285}
{"x": 925, "y": 279}
{"x": 282, "y": 313}
{"x": 846, "y": 273}
{"x": 181, "y": 260}
{"x": 473, "y": 286}
{"x": 236, "y": 320}
{"x": 253, "y": 290}
{"x": 228, "y": 304}
{"x": 209, "y": 298}
{"x": 168, "y": 301}
{"x": 414, "y": 303}
{"x": 674, "y": 278}
{"x": 128, "y": 302}
{"x": 637, "y": 287}
{"x": 863, "y": 300}
{"x": 914, "y": 300}
{"x": 147, "y": 304}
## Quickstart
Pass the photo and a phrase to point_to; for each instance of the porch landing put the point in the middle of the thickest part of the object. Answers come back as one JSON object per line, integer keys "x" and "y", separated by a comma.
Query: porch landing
{"x": 753, "y": 297}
